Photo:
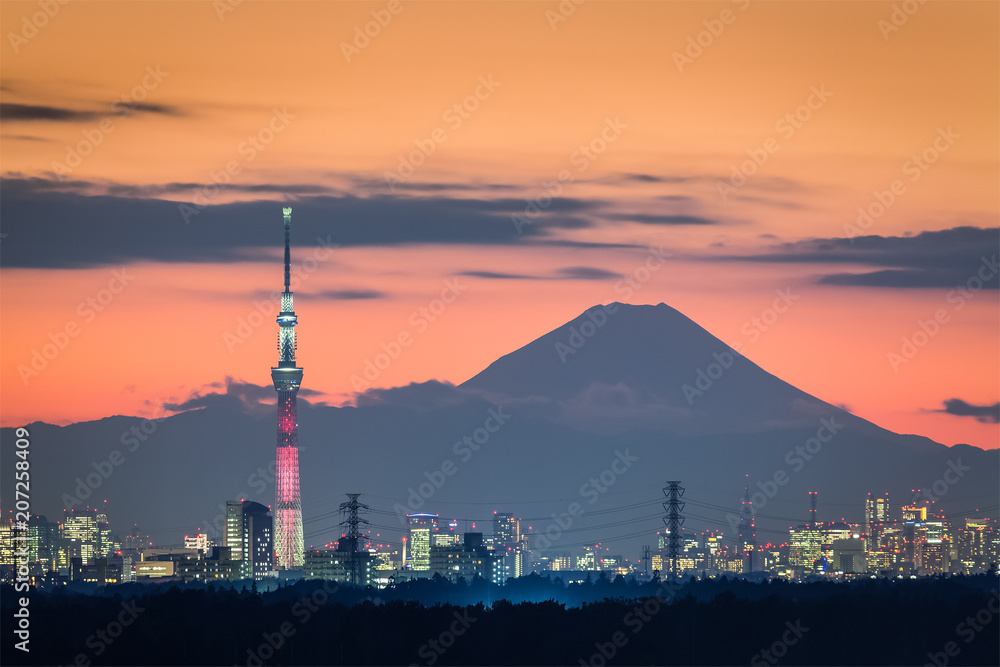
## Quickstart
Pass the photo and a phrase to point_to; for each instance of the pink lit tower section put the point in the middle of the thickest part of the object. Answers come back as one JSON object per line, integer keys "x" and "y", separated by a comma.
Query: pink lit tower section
{"x": 287, "y": 377}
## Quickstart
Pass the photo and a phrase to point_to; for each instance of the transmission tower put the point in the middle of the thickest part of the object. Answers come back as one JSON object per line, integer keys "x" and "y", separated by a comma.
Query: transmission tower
{"x": 673, "y": 521}
{"x": 352, "y": 539}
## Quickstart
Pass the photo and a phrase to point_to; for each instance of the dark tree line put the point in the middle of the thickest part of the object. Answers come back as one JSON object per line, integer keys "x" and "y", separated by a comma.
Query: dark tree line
{"x": 531, "y": 621}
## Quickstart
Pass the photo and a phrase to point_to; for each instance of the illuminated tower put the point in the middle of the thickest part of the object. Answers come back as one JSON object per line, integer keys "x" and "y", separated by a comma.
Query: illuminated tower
{"x": 287, "y": 377}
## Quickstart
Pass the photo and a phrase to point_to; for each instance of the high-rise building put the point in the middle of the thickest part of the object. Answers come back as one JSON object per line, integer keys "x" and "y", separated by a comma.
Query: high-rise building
{"x": 882, "y": 509}
{"x": 287, "y": 377}
{"x": 849, "y": 554}
{"x": 258, "y": 540}
{"x": 249, "y": 538}
{"x": 81, "y": 532}
{"x": 508, "y": 544}
{"x": 199, "y": 542}
{"x": 588, "y": 561}
{"x": 341, "y": 564}
{"x": 232, "y": 534}
{"x": 467, "y": 560}
{"x": 932, "y": 556}
{"x": 805, "y": 547}
{"x": 39, "y": 537}
{"x": 978, "y": 544}
{"x": 422, "y": 526}
{"x": 876, "y": 518}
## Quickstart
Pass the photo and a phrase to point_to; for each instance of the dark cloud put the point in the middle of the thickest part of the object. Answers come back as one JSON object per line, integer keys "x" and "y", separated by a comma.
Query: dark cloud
{"x": 938, "y": 259}
{"x": 585, "y": 273}
{"x": 253, "y": 399}
{"x": 567, "y": 243}
{"x": 56, "y": 224}
{"x": 988, "y": 414}
{"x": 175, "y": 190}
{"x": 905, "y": 278}
{"x": 123, "y": 108}
{"x": 24, "y": 137}
{"x": 774, "y": 203}
{"x": 32, "y": 112}
{"x": 346, "y": 294}
{"x": 650, "y": 178}
{"x": 564, "y": 273}
{"x": 416, "y": 395}
{"x": 380, "y": 185}
{"x": 652, "y": 219}
{"x": 493, "y": 275}
{"x": 12, "y": 112}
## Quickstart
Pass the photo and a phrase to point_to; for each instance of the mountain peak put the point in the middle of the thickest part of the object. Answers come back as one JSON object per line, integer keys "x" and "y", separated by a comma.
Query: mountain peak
{"x": 646, "y": 356}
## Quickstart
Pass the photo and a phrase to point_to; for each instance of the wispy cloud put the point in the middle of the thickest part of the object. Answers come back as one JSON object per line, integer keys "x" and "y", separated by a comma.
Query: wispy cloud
{"x": 564, "y": 273}
{"x": 653, "y": 219}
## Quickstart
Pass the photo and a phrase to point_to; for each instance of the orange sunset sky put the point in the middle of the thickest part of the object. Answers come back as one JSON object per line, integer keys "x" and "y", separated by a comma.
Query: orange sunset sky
{"x": 646, "y": 111}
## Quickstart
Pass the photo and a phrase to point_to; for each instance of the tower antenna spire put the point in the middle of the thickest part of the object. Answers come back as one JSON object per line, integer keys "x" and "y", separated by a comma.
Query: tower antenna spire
{"x": 287, "y": 212}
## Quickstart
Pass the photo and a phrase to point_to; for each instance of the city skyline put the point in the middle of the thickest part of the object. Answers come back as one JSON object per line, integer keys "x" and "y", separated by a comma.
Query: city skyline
{"x": 889, "y": 539}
